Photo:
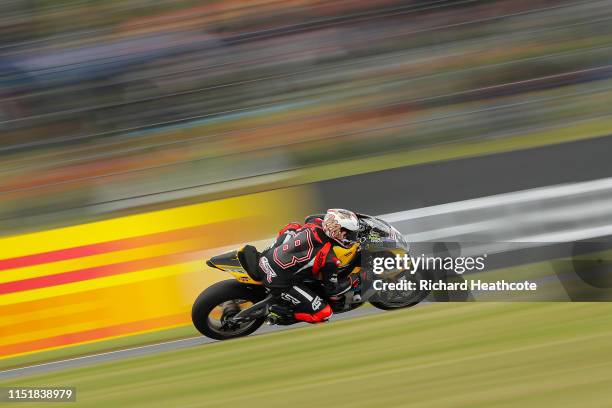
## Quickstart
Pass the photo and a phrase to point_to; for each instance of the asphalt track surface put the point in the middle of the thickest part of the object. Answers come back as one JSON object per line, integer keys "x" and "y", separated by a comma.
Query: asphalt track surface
{"x": 414, "y": 187}
{"x": 436, "y": 183}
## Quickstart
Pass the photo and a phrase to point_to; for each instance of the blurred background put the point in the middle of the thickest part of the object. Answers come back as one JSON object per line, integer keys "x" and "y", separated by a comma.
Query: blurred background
{"x": 111, "y": 106}
{"x": 140, "y": 136}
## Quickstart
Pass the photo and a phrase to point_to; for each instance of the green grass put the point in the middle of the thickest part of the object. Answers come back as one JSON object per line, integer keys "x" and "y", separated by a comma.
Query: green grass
{"x": 441, "y": 355}
{"x": 455, "y": 150}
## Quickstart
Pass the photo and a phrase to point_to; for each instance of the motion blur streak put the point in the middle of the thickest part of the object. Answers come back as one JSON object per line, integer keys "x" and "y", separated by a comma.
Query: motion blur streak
{"x": 124, "y": 275}
{"x": 109, "y": 106}
{"x": 137, "y": 137}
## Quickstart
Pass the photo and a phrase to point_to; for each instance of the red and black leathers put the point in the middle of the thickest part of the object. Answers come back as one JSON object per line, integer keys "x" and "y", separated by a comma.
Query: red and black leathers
{"x": 301, "y": 251}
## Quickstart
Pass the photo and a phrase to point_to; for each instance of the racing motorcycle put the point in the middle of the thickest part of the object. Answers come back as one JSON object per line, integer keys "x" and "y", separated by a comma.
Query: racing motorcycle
{"x": 238, "y": 307}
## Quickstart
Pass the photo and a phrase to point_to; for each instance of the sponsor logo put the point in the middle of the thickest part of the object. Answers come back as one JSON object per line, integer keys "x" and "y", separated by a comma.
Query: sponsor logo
{"x": 265, "y": 266}
{"x": 287, "y": 297}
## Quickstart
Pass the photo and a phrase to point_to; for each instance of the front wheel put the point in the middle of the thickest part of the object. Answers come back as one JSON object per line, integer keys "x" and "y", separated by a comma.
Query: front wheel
{"x": 391, "y": 300}
{"x": 217, "y": 303}
{"x": 401, "y": 304}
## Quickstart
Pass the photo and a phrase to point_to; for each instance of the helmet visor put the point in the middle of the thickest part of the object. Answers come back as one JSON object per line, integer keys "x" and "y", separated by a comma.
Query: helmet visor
{"x": 350, "y": 236}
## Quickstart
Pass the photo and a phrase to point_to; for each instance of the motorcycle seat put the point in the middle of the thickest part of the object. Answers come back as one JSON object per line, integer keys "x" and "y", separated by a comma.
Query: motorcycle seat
{"x": 249, "y": 259}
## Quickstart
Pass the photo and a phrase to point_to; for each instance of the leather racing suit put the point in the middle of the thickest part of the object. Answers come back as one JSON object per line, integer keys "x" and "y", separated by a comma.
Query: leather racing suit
{"x": 301, "y": 251}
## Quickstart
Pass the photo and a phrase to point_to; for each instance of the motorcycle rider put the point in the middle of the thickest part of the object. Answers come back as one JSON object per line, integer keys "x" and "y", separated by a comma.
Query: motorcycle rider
{"x": 322, "y": 248}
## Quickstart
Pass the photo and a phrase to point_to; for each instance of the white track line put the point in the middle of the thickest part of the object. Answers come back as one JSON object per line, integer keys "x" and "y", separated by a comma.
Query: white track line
{"x": 107, "y": 353}
{"x": 536, "y": 194}
{"x": 587, "y": 212}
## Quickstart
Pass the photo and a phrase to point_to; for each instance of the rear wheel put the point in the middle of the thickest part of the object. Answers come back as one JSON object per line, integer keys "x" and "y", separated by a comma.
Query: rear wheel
{"x": 216, "y": 304}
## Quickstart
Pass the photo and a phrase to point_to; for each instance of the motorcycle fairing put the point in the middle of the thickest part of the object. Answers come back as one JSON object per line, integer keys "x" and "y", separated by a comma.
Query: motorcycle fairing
{"x": 230, "y": 262}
